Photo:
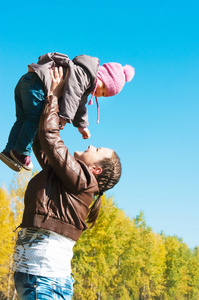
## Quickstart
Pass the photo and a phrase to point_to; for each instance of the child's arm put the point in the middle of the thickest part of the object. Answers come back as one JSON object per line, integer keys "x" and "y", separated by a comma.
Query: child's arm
{"x": 76, "y": 84}
{"x": 81, "y": 121}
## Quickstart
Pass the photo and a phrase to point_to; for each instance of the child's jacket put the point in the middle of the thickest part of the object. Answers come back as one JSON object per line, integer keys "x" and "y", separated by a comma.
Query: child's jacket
{"x": 79, "y": 84}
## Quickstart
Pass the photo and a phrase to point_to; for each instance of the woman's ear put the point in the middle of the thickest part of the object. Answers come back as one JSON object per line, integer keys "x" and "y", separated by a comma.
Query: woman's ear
{"x": 96, "y": 170}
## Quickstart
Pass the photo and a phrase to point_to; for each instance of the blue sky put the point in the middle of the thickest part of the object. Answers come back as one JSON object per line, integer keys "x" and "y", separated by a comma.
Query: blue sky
{"x": 152, "y": 124}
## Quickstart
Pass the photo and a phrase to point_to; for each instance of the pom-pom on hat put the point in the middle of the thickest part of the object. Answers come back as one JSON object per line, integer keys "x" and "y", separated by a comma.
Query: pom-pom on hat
{"x": 114, "y": 76}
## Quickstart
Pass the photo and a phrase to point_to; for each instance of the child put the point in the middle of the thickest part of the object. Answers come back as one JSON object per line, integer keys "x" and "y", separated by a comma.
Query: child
{"x": 83, "y": 76}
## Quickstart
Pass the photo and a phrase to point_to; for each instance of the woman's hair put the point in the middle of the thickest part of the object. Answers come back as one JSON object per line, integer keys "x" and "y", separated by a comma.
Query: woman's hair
{"x": 107, "y": 179}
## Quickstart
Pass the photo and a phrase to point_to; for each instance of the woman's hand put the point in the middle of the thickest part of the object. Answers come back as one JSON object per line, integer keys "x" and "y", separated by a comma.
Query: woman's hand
{"x": 62, "y": 123}
{"x": 57, "y": 81}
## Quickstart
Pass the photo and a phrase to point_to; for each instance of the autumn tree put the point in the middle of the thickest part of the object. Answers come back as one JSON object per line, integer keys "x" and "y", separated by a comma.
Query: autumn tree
{"x": 11, "y": 208}
{"x": 6, "y": 240}
{"x": 121, "y": 258}
{"x": 182, "y": 270}
{"x": 193, "y": 275}
{"x": 118, "y": 258}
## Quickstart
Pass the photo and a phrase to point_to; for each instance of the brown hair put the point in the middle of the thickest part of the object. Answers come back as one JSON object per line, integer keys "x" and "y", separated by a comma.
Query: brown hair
{"x": 107, "y": 179}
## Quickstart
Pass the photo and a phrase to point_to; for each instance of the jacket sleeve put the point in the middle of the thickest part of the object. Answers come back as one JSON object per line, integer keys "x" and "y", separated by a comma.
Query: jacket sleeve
{"x": 39, "y": 153}
{"x": 81, "y": 116}
{"x": 75, "y": 175}
{"x": 77, "y": 83}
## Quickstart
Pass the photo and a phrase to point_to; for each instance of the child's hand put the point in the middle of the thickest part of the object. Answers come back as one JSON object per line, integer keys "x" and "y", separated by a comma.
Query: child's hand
{"x": 62, "y": 123}
{"x": 84, "y": 132}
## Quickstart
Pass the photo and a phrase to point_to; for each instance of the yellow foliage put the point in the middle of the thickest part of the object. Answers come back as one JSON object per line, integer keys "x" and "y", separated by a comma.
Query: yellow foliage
{"x": 6, "y": 239}
{"x": 11, "y": 209}
{"x": 121, "y": 258}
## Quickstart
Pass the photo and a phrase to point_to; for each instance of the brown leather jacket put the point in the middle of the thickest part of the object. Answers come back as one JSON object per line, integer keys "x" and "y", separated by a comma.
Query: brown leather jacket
{"x": 58, "y": 197}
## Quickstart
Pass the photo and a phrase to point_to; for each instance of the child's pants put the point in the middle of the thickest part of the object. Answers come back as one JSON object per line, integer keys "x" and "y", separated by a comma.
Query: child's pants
{"x": 29, "y": 100}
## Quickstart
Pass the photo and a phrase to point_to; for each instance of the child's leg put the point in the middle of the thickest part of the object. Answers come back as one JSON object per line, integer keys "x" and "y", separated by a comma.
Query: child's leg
{"x": 20, "y": 117}
{"x": 32, "y": 97}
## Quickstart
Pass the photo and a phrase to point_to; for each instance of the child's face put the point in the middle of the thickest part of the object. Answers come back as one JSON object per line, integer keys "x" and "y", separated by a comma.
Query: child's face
{"x": 101, "y": 89}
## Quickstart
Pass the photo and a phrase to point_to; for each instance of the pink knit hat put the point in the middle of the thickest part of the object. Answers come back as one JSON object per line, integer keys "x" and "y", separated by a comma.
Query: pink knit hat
{"x": 114, "y": 76}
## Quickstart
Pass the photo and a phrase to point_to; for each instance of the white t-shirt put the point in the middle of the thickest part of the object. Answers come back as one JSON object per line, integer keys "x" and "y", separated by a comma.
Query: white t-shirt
{"x": 43, "y": 253}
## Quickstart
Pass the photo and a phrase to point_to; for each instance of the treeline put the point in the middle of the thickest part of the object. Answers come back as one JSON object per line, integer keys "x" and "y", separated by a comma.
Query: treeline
{"x": 121, "y": 258}
{"x": 118, "y": 258}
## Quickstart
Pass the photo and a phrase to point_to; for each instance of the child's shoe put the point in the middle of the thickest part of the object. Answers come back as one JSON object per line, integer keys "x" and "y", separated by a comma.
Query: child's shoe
{"x": 23, "y": 160}
{"x": 8, "y": 160}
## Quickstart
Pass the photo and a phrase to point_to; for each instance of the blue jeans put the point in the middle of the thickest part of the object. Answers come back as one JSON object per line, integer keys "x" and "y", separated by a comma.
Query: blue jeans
{"x": 31, "y": 287}
{"x": 29, "y": 100}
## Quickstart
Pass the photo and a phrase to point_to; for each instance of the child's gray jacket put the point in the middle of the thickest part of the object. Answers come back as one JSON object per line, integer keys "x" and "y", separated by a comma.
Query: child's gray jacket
{"x": 80, "y": 82}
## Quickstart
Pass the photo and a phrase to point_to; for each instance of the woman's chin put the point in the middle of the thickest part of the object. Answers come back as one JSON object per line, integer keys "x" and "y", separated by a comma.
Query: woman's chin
{"x": 77, "y": 154}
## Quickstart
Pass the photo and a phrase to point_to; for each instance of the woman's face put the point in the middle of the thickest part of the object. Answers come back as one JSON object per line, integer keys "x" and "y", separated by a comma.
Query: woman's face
{"x": 93, "y": 155}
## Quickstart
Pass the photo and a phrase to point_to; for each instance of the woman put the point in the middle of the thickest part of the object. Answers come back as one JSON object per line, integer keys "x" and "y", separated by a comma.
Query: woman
{"x": 57, "y": 204}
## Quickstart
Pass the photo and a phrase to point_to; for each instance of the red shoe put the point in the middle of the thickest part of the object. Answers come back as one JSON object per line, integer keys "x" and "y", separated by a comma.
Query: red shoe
{"x": 8, "y": 160}
{"x": 23, "y": 160}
